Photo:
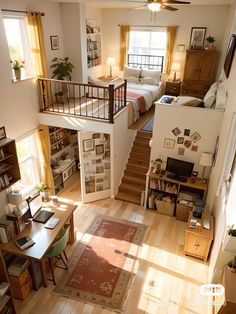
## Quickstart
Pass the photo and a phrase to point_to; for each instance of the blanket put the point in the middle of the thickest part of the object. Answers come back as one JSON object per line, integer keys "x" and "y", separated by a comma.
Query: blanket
{"x": 138, "y": 98}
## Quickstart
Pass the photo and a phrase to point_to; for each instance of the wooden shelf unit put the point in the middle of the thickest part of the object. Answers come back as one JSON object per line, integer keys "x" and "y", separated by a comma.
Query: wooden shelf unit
{"x": 9, "y": 166}
{"x": 165, "y": 184}
{"x": 6, "y": 301}
{"x": 93, "y": 49}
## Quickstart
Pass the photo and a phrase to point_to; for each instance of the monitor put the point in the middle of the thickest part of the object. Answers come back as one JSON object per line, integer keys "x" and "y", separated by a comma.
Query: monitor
{"x": 35, "y": 204}
{"x": 180, "y": 169}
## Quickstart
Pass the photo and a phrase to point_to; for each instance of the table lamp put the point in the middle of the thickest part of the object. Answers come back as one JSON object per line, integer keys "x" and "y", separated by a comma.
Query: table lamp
{"x": 175, "y": 67}
{"x": 205, "y": 161}
{"x": 111, "y": 61}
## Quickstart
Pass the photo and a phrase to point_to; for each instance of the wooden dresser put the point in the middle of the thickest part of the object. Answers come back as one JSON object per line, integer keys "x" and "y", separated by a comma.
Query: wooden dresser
{"x": 198, "y": 72}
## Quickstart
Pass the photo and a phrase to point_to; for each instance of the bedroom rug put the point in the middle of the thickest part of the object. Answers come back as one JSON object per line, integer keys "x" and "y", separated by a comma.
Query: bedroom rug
{"x": 148, "y": 125}
{"x": 104, "y": 263}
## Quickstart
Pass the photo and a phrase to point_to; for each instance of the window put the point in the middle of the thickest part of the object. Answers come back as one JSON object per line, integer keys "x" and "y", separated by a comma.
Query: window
{"x": 27, "y": 153}
{"x": 18, "y": 43}
{"x": 148, "y": 41}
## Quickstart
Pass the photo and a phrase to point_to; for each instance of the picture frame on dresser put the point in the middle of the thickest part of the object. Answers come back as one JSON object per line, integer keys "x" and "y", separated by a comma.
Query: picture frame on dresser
{"x": 197, "y": 37}
{"x": 2, "y": 133}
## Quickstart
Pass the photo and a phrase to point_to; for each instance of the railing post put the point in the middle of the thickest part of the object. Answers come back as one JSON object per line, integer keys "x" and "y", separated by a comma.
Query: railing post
{"x": 42, "y": 89}
{"x": 125, "y": 92}
{"x": 111, "y": 103}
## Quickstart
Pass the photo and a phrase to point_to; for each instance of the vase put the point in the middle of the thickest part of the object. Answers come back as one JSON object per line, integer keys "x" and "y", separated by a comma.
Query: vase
{"x": 17, "y": 74}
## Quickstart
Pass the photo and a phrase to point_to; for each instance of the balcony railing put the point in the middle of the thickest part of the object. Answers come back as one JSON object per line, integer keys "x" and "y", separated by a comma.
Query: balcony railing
{"x": 82, "y": 100}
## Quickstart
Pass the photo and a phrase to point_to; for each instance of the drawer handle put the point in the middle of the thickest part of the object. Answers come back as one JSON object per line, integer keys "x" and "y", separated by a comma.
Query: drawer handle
{"x": 197, "y": 246}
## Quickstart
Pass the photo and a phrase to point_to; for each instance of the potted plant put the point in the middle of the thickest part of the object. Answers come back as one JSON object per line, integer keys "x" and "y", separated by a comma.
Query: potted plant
{"x": 62, "y": 70}
{"x": 43, "y": 190}
{"x": 156, "y": 164}
{"x": 17, "y": 65}
{"x": 232, "y": 265}
{"x": 229, "y": 242}
{"x": 210, "y": 40}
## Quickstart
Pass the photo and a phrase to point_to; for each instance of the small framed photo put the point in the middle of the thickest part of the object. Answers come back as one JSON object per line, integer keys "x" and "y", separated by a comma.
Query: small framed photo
{"x": 54, "y": 42}
{"x": 229, "y": 55}
{"x": 176, "y": 131}
{"x": 169, "y": 143}
{"x": 180, "y": 140}
{"x": 2, "y": 132}
{"x": 194, "y": 174}
{"x": 181, "y": 151}
{"x": 197, "y": 37}
{"x": 99, "y": 149}
{"x": 187, "y": 143}
{"x": 194, "y": 148}
{"x": 186, "y": 132}
{"x": 88, "y": 145}
{"x": 96, "y": 135}
{"x": 181, "y": 48}
{"x": 195, "y": 137}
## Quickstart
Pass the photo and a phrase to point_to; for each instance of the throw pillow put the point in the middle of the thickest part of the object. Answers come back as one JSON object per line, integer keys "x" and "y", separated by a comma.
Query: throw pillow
{"x": 151, "y": 73}
{"x": 148, "y": 80}
{"x": 134, "y": 72}
{"x": 209, "y": 99}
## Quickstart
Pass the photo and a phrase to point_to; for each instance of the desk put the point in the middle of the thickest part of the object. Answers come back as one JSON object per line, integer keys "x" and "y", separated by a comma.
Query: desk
{"x": 43, "y": 237}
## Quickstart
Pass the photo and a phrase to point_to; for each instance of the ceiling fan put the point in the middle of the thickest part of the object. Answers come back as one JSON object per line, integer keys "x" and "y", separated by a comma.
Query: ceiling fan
{"x": 158, "y": 5}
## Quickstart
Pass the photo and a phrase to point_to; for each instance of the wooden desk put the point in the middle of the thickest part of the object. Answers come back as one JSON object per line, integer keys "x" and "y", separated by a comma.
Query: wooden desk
{"x": 43, "y": 237}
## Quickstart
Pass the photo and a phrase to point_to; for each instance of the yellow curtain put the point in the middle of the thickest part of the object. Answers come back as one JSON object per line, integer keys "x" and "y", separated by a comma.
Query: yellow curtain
{"x": 171, "y": 34}
{"x": 124, "y": 45}
{"x": 44, "y": 145}
{"x": 37, "y": 43}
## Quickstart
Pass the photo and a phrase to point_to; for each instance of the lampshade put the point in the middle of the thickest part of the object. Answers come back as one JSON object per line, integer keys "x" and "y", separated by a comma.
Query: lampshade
{"x": 206, "y": 159}
{"x": 175, "y": 67}
{"x": 111, "y": 61}
{"x": 154, "y": 6}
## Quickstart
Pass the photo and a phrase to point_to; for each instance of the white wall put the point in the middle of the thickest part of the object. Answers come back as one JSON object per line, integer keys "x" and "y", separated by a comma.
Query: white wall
{"x": 212, "y": 17}
{"x": 204, "y": 121}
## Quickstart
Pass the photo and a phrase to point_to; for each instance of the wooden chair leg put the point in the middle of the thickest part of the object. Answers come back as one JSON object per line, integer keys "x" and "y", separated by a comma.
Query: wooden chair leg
{"x": 52, "y": 271}
{"x": 65, "y": 255}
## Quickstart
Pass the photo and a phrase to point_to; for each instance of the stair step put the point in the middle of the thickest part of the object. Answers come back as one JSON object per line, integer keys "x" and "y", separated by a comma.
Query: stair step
{"x": 144, "y": 134}
{"x": 140, "y": 162}
{"x": 132, "y": 179}
{"x": 142, "y": 150}
{"x": 142, "y": 145}
{"x": 142, "y": 139}
{"x": 141, "y": 156}
{"x": 137, "y": 168}
{"x": 134, "y": 174}
{"x": 128, "y": 197}
{"x": 135, "y": 189}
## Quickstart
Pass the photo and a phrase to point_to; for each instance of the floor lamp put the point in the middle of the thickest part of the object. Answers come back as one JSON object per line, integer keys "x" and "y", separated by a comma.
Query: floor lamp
{"x": 205, "y": 161}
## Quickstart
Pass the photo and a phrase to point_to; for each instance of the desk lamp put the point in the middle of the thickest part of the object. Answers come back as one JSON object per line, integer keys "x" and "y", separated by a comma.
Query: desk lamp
{"x": 111, "y": 61}
{"x": 205, "y": 161}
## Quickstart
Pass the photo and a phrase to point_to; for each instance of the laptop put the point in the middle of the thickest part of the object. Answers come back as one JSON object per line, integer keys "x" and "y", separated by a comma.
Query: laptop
{"x": 37, "y": 213}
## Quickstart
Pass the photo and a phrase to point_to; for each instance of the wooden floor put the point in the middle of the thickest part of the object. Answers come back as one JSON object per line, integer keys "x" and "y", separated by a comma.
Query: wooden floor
{"x": 167, "y": 281}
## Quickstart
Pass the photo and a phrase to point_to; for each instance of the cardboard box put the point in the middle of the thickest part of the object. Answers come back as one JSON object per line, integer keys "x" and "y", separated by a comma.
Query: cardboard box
{"x": 22, "y": 285}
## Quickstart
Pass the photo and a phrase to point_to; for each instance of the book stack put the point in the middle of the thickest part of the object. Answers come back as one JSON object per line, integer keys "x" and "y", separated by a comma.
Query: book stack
{"x": 7, "y": 230}
{"x": 18, "y": 265}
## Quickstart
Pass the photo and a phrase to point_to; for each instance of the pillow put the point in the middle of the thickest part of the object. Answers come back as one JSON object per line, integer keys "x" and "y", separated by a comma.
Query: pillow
{"x": 134, "y": 72}
{"x": 96, "y": 81}
{"x": 187, "y": 101}
{"x": 214, "y": 87}
{"x": 151, "y": 73}
{"x": 195, "y": 103}
{"x": 148, "y": 80}
{"x": 209, "y": 99}
{"x": 131, "y": 79}
{"x": 221, "y": 97}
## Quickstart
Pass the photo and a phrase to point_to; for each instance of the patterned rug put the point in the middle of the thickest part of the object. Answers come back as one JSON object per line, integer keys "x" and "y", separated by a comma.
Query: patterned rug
{"x": 104, "y": 263}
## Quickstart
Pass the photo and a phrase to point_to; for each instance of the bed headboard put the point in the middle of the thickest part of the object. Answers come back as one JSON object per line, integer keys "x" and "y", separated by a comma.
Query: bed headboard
{"x": 146, "y": 61}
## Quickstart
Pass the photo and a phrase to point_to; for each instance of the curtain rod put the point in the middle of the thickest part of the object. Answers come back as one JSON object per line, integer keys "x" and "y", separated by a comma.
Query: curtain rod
{"x": 147, "y": 25}
{"x": 19, "y": 11}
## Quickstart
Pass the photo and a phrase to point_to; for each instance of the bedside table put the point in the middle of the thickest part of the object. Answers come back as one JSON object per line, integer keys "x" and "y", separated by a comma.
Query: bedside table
{"x": 173, "y": 88}
{"x": 107, "y": 78}
{"x": 198, "y": 240}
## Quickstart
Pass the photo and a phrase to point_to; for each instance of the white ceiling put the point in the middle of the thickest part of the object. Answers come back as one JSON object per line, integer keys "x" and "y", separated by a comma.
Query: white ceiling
{"x": 121, "y": 4}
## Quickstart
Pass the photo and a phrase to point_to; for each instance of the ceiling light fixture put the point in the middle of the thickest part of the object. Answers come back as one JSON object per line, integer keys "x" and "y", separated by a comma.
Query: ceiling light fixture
{"x": 154, "y": 6}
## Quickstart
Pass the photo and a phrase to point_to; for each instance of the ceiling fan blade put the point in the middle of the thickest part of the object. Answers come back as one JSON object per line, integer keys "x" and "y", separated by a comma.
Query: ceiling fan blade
{"x": 138, "y": 8}
{"x": 167, "y": 7}
{"x": 175, "y": 2}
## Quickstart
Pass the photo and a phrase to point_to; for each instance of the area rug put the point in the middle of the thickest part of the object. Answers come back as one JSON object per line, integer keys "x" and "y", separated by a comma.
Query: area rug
{"x": 104, "y": 263}
{"x": 148, "y": 126}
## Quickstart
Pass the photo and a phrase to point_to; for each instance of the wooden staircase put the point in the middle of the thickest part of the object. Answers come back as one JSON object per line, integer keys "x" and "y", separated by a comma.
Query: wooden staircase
{"x": 134, "y": 179}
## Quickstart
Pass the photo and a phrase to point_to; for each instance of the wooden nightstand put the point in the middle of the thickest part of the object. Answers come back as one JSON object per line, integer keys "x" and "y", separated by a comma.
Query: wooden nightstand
{"x": 198, "y": 240}
{"x": 107, "y": 78}
{"x": 173, "y": 88}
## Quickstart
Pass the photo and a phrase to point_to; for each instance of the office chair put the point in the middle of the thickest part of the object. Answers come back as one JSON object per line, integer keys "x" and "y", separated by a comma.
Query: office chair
{"x": 57, "y": 249}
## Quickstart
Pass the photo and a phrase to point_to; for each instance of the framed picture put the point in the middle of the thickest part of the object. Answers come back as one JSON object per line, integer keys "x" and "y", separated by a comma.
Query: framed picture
{"x": 195, "y": 137}
{"x": 2, "y": 132}
{"x": 96, "y": 135}
{"x": 88, "y": 145}
{"x": 197, "y": 37}
{"x": 99, "y": 149}
{"x": 181, "y": 151}
{"x": 186, "y": 132}
{"x": 230, "y": 55}
{"x": 194, "y": 148}
{"x": 195, "y": 174}
{"x": 181, "y": 48}
{"x": 216, "y": 151}
{"x": 54, "y": 42}
{"x": 187, "y": 143}
{"x": 169, "y": 143}
{"x": 176, "y": 131}
{"x": 180, "y": 140}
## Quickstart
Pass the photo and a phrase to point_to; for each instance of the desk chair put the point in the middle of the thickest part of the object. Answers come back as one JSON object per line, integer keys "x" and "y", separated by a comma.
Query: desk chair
{"x": 57, "y": 249}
